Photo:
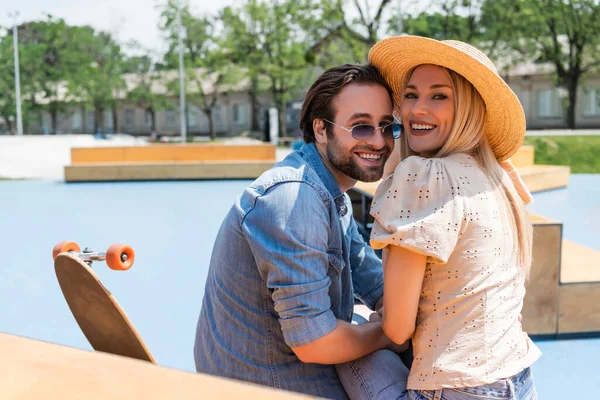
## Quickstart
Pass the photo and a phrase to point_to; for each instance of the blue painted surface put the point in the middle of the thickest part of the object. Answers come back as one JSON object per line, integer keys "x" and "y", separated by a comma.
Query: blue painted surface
{"x": 577, "y": 207}
{"x": 172, "y": 226}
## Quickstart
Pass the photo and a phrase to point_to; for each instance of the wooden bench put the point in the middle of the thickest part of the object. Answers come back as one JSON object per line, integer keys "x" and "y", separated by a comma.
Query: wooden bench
{"x": 563, "y": 293}
{"x": 170, "y": 162}
{"x": 32, "y": 369}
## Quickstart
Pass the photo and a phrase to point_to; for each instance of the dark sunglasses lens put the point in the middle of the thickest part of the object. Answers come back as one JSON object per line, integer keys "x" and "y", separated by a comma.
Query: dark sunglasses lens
{"x": 362, "y": 132}
{"x": 393, "y": 131}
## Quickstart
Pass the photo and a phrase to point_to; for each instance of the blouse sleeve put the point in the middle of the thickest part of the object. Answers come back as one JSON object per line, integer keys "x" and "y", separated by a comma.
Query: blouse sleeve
{"x": 419, "y": 207}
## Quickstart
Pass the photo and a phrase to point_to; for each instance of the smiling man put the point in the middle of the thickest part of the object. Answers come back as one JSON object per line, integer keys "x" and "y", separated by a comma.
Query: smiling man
{"x": 288, "y": 260}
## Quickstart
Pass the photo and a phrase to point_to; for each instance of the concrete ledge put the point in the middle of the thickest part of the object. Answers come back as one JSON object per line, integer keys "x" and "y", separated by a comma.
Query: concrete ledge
{"x": 172, "y": 153}
{"x": 166, "y": 171}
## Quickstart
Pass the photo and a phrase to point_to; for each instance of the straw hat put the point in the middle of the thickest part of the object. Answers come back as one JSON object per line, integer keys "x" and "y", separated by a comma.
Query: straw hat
{"x": 395, "y": 56}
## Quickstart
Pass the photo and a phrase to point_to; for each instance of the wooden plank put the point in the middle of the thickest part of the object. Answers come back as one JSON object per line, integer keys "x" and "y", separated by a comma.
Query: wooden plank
{"x": 524, "y": 156}
{"x": 536, "y": 177}
{"x": 31, "y": 369}
{"x": 579, "y": 263}
{"x": 140, "y": 154}
{"x": 540, "y": 306}
{"x": 222, "y": 170}
{"x": 166, "y": 171}
{"x": 97, "y": 154}
{"x": 545, "y": 177}
{"x": 579, "y": 309}
{"x": 173, "y": 153}
{"x": 119, "y": 172}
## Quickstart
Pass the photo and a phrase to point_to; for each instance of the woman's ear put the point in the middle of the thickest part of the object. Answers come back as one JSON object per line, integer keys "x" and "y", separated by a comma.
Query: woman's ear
{"x": 319, "y": 130}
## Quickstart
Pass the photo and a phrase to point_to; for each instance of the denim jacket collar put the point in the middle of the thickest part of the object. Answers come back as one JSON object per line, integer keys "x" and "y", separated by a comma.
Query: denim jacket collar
{"x": 310, "y": 153}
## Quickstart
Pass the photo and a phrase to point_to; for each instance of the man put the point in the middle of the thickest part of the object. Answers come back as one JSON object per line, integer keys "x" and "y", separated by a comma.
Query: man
{"x": 288, "y": 259}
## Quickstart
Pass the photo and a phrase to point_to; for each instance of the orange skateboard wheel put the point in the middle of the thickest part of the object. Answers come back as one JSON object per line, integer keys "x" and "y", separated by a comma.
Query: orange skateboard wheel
{"x": 120, "y": 257}
{"x": 65, "y": 246}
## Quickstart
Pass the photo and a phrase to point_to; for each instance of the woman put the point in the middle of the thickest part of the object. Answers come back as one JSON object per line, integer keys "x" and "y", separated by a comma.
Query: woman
{"x": 454, "y": 230}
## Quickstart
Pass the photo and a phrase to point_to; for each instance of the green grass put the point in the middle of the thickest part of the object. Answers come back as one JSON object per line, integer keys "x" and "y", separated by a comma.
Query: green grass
{"x": 581, "y": 153}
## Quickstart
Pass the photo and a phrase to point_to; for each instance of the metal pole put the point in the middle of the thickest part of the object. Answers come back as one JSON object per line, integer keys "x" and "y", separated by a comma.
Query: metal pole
{"x": 17, "y": 73}
{"x": 181, "y": 76}
{"x": 399, "y": 17}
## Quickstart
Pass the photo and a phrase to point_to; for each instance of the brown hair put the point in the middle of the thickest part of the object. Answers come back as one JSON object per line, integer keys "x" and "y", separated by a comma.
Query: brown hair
{"x": 319, "y": 99}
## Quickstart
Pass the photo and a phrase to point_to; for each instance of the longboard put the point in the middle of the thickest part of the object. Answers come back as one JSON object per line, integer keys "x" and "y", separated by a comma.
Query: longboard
{"x": 100, "y": 317}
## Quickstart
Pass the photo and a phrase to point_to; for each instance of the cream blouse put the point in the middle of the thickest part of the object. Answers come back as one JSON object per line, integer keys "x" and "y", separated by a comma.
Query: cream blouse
{"x": 467, "y": 329}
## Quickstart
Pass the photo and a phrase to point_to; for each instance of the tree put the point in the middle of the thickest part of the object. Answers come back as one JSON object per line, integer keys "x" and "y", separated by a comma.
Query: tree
{"x": 7, "y": 81}
{"x": 563, "y": 33}
{"x": 457, "y": 19}
{"x": 208, "y": 71}
{"x": 275, "y": 37}
{"x": 49, "y": 60}
{"x": 242, "y": 42}
{"x": 146, "y": 80}
{"x": 99, "y": 77}
{"x": 366, "y": 26}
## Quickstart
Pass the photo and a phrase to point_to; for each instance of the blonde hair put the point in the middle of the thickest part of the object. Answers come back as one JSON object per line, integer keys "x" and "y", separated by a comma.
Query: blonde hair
{"x": 468, "y": 136}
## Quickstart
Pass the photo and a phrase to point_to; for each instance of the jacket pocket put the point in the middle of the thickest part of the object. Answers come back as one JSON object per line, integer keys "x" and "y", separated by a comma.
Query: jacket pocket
{"x": 336, "y": 260}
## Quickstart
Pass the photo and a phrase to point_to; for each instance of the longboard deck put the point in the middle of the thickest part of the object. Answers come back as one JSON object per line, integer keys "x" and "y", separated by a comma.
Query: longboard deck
{"x": 99, "y": 315}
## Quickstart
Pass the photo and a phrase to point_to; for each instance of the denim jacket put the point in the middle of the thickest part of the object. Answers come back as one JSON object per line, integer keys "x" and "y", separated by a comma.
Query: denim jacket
{"x": 287, "y": 263}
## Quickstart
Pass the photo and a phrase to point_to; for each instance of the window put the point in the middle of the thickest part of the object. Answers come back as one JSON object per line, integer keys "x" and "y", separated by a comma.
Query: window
{"x": 192, "y": 117}
{"x": 76, "y": 120}
{"x": 217, "y": 114}
{"x": 591, "y": 102}
{"x": 128, "y": 118}
{"x": 549, "y": 103}
{"x": 238, "y": 114}
{"x": 108, "y": 119}
{"x": 170, "y": 118}
{"x": 148, "y": 118}
{"x": 90, "y": 121}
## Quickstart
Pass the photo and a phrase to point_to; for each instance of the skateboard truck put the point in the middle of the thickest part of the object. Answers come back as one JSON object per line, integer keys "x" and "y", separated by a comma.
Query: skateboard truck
{"x": 118, "y": 257}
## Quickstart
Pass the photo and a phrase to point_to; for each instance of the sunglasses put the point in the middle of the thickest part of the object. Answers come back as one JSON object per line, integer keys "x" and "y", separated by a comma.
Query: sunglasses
{"x": 366, "y": 131}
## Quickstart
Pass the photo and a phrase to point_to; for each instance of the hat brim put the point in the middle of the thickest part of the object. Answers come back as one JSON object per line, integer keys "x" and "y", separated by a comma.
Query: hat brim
{"x": 505, "y": 123}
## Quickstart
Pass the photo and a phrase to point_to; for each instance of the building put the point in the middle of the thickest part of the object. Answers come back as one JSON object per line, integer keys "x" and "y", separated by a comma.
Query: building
{"x": 542, "y": 102}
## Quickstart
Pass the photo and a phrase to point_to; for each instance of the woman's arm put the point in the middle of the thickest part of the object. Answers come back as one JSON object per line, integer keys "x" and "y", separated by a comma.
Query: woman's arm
{"x": 403, "y": 277}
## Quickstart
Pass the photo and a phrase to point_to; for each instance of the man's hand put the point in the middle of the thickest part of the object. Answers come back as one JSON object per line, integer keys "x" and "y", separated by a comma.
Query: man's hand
{"x": 379, "y": 304}
{"x": 375, "y": 317}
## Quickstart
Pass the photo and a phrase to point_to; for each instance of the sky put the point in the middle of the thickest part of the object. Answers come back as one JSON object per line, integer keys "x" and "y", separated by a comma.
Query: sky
{"x": 126, "y": 19}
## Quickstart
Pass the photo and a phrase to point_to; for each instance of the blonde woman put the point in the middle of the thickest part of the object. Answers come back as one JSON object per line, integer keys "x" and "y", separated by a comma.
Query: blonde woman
{"x": 454, "y": 230}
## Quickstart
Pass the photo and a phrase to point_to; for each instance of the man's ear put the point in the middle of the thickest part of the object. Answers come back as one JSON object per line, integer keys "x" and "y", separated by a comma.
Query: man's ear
{"x": 319, "y": 130}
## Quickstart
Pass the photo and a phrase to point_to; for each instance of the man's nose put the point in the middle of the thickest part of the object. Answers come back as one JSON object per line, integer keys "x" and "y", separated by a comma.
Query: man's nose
{"x": 377, "y": 140}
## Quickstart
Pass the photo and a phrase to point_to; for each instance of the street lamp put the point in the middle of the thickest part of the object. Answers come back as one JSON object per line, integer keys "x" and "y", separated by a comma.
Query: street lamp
{"x": 14, "y": 16}
{"x": 181, "y": 76}
{"x": 399, "y": 11}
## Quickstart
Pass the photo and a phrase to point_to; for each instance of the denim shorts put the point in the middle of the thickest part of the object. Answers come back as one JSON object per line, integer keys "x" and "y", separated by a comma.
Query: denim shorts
{"x": 517, "y": 387}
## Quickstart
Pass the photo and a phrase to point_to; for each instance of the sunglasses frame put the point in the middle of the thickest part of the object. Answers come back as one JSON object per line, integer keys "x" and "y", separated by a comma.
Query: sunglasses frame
{"x": 375, "y": 128}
